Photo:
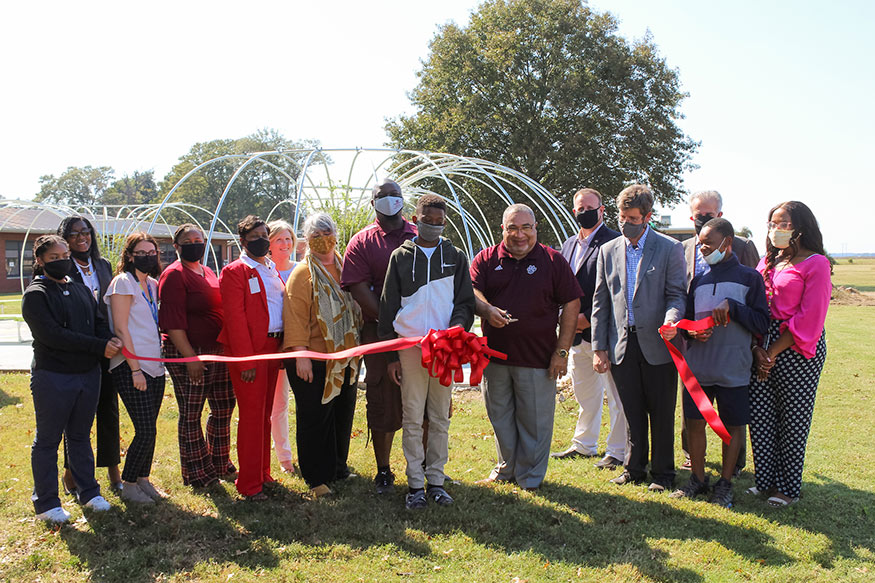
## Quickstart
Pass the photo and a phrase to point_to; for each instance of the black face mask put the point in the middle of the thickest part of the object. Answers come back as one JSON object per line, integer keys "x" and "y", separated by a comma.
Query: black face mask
{"x": 258, "y": 247}
{"x": 146, "y": 263}
{"x": 587, "y": 219}
{"x": 192, "y": 252}
{"x": 81, "y": 255}
{"x": 700, "y": 222}
{"x": 59, "y": 268}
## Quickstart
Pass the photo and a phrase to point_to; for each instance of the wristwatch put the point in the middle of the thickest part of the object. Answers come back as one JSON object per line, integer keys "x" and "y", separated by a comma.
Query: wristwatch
{"x": 562, "y": 352}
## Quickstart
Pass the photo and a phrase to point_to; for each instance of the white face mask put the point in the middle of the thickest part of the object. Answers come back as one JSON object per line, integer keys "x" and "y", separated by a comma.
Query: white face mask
{"x": 715, "y": 256}
{"x": 780, "y": 238}
{"x": 389, "y": 205}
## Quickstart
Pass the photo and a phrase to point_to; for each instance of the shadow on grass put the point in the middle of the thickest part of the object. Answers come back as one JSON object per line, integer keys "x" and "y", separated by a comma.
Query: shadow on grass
{"x": 6, "y": 399}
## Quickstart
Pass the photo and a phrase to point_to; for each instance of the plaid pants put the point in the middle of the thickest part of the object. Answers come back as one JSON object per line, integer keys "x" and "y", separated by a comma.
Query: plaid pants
{"x": 143, "y": 408}
{"x": 203, "y": 460}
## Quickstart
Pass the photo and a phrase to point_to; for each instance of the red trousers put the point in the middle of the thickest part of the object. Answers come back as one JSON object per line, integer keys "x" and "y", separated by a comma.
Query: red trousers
{"x": 255, "y": 402}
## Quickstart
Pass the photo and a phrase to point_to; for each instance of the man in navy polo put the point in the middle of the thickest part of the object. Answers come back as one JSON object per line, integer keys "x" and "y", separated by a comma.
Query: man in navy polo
{"x": 520, "y": 287}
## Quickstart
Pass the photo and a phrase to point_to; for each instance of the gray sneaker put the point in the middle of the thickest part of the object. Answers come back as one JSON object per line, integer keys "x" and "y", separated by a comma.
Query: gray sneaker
{"x": 722, "y": 495}
{"x": 415, "y": 500}
{"x": 439, "y": 496}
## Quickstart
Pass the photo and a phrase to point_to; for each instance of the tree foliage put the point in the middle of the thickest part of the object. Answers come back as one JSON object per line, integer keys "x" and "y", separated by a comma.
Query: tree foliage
{"x": 549, "y": 88}
{"x": 258, "y": 188}
{"x": 84, "y": 185}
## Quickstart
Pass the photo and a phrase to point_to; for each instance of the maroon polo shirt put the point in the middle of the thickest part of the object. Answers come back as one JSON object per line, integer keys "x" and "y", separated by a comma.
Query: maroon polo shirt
{"x": 532, "y": 290}
{"x": 367, "y": 255}
{"x": 192, "y": 303}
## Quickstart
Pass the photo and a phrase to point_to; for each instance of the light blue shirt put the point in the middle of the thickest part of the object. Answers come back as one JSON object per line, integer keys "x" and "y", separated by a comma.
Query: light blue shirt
{"x": 702, "y": 266}
{"x": 633, "y": 259}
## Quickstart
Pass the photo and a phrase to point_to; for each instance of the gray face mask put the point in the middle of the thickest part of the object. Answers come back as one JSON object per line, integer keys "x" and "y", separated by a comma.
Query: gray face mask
{"x": 631, "y": 231}
{"x": 429, "y": 232}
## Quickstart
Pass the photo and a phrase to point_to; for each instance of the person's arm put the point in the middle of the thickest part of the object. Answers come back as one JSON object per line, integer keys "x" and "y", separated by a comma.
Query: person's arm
{"x": 390, "y": 302}
{"x": 750, "y": 255}
{"x": 602, "y": 310}
{"x": 36, "y": 312}
{"x": 366, "y": 299}
{"x": 463, "y": 296}
{"x": 753, "y": 315}
{"x": 233, "y": 286}
{"x": 496, "y": 317}
{"x": 120, "y": 303}
{"x": 806, "y": 324}
{"x": 567, "y": 327}
{"x": 675, "y": 288}
{"x": 173, "y": 318}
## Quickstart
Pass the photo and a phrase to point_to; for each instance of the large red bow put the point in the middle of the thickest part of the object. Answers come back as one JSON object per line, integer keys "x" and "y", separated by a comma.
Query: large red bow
{"x": 444, "y": 352}
{"x": 689, "y": 379}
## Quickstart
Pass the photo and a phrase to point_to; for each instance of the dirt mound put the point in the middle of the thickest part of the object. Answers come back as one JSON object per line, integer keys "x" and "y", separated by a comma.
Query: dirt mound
{"x": 849, "y": 296}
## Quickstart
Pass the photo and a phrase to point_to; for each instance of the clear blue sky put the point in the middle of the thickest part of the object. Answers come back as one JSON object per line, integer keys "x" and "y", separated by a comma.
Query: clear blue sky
{"x": 780, "y": 92}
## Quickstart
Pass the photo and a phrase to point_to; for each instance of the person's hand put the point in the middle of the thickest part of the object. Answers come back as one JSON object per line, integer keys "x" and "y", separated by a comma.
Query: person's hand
{"x": 558, "y": 366}
{"x": 600, "y": 361}
{"x": 668, "y": 332}
{"x": 763, "y": 363}
{"x": 721, "y": 313}
{"x": 196, "y": 371}
{"x": 394, "y": 372}
{"x": 304, "y": 369}
{"x": 139, "y": 378}
{"x": 248, "y": 375}
{"x": 113, "y": 346}
{"x": 701, "y": 335}
{"x": 582, "y": 322}
{"x": 497, "y": 317}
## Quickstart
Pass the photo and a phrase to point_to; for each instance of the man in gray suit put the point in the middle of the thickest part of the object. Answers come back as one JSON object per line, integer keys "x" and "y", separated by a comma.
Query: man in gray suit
{"x": 640, "y": 287}
{"x": 704, "y": 206}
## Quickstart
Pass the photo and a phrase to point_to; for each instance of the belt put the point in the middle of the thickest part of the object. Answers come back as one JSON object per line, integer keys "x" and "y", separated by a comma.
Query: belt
{"x": 631, "y": 330}
{"x": 274, "y": 334}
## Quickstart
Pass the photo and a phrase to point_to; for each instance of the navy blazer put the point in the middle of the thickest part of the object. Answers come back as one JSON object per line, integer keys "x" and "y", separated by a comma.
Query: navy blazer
{"x": 586, "y": 274}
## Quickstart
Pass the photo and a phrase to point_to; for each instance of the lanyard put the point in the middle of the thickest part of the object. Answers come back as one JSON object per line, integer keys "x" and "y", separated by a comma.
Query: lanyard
{"x": 153, "y": 307}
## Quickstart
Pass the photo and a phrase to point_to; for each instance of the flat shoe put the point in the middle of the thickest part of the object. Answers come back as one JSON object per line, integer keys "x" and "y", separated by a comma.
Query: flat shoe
{"x": 778, "y": 502}
{"x": 259, "y": 497}
{"x": 320, "y": 491}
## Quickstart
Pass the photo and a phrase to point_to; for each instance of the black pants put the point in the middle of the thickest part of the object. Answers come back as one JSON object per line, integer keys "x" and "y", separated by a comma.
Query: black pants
{"x": 107, "y": 433}
{"x": 322, "y": 431}
{"x": 143, "y": 408}
{"x": 649, "y": 395}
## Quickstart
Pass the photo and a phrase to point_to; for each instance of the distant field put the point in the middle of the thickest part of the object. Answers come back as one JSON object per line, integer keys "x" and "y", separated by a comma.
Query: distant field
{"x": 10, "y": 304}
{"x": 856, "y": 272}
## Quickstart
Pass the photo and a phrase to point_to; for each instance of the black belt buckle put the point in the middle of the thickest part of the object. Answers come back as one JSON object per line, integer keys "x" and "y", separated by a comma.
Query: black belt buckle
{"x": 631, "y": 330}
{"x": 274, "y": 334}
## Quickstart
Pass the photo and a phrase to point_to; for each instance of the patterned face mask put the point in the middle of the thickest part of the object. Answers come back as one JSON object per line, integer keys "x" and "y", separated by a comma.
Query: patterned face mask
{"x": 322, "y": 245}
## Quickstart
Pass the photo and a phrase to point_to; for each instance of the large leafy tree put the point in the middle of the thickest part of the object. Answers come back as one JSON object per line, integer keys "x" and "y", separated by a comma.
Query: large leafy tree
{"x": 256, "y": 190}
{"x": 549, "y": 88}
{"x": 76, "y": 186}
{"x": 134, "y": 189}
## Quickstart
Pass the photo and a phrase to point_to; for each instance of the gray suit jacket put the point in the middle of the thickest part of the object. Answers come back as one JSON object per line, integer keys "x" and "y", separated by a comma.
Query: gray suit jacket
{"x": 660, "y": 296}
{"x": 743, "y": 248}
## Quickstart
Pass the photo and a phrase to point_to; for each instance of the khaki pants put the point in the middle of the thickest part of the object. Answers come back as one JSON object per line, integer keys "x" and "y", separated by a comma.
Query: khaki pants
{"x": 422, "y": 394}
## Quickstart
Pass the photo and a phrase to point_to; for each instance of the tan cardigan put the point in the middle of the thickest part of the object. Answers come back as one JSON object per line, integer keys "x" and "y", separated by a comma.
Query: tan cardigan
{"x": 301, "y": 328}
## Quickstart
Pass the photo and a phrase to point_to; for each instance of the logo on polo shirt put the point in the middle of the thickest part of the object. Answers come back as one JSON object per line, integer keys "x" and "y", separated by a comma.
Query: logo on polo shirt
{"x": 499, "y": 268}
{"x": 531, "y": 269}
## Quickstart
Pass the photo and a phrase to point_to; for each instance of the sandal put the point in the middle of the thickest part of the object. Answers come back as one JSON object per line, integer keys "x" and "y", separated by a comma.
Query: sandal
{"x": 779, "y": 502}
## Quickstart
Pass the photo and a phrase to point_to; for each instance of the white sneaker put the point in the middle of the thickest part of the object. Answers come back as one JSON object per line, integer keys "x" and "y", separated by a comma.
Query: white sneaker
{"x": 98, "y": 504}
{"x": 56, "y": 514}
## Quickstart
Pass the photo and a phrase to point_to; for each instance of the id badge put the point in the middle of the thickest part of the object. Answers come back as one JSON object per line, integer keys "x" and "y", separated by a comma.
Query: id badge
{"x": 254, "y": 288}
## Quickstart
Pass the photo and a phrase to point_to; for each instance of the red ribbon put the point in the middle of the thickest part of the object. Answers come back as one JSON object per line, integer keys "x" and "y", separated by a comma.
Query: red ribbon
{"x": 444, "y": 352}
{"x": 689, "y": 379}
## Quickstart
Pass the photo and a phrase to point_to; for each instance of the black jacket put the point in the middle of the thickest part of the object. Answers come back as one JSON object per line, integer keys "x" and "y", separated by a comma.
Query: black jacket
{"x": 586, "y": 274}
{"x": 104, "y": 275}
{"x": 69, "y": 332}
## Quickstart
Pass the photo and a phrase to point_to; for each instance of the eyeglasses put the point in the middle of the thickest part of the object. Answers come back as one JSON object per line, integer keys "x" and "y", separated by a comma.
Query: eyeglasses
{"x": 514, "y": 230}
{"x": 783, "y": 225}
{"x": 82, "y": 233}
{"x": 145, "y": 253}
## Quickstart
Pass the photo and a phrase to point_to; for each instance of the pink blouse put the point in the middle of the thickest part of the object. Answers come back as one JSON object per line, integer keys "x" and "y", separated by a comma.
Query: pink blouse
{"x": 799, "y": 295}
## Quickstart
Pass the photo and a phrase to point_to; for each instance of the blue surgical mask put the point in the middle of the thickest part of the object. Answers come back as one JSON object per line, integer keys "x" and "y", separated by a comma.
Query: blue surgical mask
{"x": 715, "y": 256}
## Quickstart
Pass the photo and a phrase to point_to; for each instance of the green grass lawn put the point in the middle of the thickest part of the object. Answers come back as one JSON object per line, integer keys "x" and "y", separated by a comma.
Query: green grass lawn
{"x": 10, "y": 304}
{"x": 857, "y": 272}
{"x": 577, "y": 528}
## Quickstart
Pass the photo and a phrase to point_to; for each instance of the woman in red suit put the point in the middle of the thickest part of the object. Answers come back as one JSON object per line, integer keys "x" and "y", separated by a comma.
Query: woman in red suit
{"x": 252, "y": 298}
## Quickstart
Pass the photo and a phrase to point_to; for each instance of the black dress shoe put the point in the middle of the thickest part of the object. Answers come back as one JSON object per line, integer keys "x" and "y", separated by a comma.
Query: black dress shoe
{"x": 608, "y": 463}
{"x": 568, "y": 454}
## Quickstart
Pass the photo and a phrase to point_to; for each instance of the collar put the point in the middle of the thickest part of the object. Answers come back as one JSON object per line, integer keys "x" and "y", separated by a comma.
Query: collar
{"x": 406, "y": 227}
{"x": 588, "y": 239}
{"x": 503, "y": 253}
{"x": 253, "y": 264}
{"x": 641, "y": 241}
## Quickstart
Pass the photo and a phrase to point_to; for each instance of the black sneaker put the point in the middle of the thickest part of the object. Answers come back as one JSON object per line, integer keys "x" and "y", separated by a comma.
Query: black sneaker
{"x": 384, "y": 482}
{"x": 722, "y": 495}
{"x": 439, "y": 496}
{"x": 692, "y": 488}
{"x": 415, "y": 500}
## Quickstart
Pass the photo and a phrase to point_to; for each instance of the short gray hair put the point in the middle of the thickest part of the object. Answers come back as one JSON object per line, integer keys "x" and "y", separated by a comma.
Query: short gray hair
{"x": 708, "y": 196}
{"x": 276, "y": 227}
{"x": 318, "y": 222}
{"x": 517, "y": 208}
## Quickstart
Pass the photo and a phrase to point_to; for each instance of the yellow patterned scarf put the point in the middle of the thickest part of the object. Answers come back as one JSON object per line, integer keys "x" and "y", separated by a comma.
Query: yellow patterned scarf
{"x": 339, "y": 319}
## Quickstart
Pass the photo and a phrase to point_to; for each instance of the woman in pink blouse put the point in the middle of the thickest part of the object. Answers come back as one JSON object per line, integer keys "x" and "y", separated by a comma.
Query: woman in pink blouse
{"x": 788, "y": 361}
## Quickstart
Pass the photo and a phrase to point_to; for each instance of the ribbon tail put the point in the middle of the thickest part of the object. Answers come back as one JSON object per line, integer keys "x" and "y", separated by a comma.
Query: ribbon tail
{"x": 703, "y": 404}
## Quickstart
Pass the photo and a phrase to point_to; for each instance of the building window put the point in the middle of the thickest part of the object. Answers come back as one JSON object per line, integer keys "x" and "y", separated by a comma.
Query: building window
{"x": 13, "y": 259}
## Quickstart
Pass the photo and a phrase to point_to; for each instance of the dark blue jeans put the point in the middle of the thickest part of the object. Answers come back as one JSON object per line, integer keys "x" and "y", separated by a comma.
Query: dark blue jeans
{"x": 64, "y": 403}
